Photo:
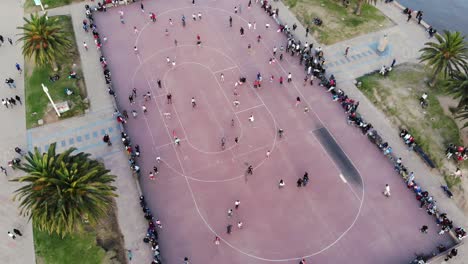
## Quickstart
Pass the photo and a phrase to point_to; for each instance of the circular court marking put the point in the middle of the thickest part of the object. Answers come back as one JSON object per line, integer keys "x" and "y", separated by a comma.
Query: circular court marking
{"x": 191, "y": 178}
{"x": 148, "y": 58}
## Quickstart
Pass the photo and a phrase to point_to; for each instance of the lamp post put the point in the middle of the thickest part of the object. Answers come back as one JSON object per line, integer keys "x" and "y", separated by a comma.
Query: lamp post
{"x": 46, "y": 91}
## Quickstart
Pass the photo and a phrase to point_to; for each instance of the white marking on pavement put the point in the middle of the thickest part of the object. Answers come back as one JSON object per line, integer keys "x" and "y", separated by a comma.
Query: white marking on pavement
{"x": 343, "y": 178}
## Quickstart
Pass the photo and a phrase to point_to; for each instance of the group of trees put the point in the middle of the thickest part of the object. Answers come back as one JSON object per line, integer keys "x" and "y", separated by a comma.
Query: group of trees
{"x": 448, "y": 60}
{"x": 61, "y": 192}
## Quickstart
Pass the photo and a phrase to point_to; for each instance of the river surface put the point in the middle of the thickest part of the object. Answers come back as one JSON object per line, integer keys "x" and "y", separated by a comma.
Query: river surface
{"x": 449, "y": 15}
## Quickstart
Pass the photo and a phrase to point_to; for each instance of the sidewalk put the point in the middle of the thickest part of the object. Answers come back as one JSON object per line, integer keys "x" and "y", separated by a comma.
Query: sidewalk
{"x": 405, "y": 40}
{"x": 13, "y": 134}
{"x": 85, "y": 133}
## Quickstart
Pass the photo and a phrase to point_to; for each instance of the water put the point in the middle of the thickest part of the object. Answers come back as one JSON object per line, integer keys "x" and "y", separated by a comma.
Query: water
{"x": 442, "y": 14}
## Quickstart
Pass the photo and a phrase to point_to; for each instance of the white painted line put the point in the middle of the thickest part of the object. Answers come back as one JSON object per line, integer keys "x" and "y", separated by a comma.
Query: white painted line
{"x": 343, "y": 178}
{"x": 250, "y": 108}
{"x": 227, "y": 69}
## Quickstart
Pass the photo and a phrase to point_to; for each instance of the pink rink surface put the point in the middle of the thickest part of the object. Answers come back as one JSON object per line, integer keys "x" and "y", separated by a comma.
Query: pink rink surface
{"x": 331, "y": 220}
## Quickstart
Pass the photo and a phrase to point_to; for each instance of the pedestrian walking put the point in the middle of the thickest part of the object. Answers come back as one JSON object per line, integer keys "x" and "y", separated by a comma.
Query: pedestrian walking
{"x": 135, "y": 50}
{"x": 152, "y": 17}
{"x": 305, "y": 178}
{"x": 194, "y": 17}
{"x": 346, "y": 52}
{"x": 11, "y": 235}
{"x": 186, "y": 260}
{"x": 18, "y": 67}
{"x": 387, "y": 190}
{"x": 250, "y": 170}
{"x": 236, "y": 204}
{"x": 251, "y": 119}
{"x": 268, "y": 154}
{"x": 194, "y": 103}
{"x": 222, "y": 77}
{"x": 144, "y": 109}
{"x": 241, "y": 31}
{"x": 121, "y": 16}
{"x": 393, "y": 63}
{"x": 424, "y": 229}
{"x": 134, "y": 113}
{"x": 254, "y": 25}
{"x": 18, "y": 99}
{"x": 249, "y": 25}
{"x": 230, "y": 21}
{"x": 85, "y": 45}
{"x": 229, "y": 213}
{"x": 169, "y": 98}
{"x": 240, "y": 224}
{"x": 298, "y": 101}
{"x": 199, "y": 16}
{"x": 142, "y": 7}
{"x": 229, "y": 229}
{"x": 281, "y": 184}
{"x": 307, "y": 31}
{"x": 236, "y": 139}
{"x": 419, "y": 19}
{"x": 4, "y": 170}
{"x": 135, "y": 30}
{"x": 302, "y": 261}
{"x": 216, "y": 240}
{"x": 299, "y": 182}
{"x": 17, "y": 232}
{"x": 409, "y": 17}
{"x": 289, "y": 77}
{"x": 198, "y": 41}
{"x": 281, "y": 78}
{"x": 11, "y": 41}
{"x": 223, "y": 143}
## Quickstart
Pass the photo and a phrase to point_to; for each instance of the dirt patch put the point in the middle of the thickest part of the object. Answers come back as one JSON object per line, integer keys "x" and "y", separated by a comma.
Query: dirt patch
{"x": 339, "y": 23}
{"x": 110, "y": 238}
{"x": 433, "y": 127}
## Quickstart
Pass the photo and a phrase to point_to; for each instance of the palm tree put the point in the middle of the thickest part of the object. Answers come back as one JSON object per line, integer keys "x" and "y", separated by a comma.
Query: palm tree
{"x": 463, "y": 114}
{"x": 448, "y": 56}
{"x": 64, "y": 191}
{"x": 457, "y": 86}
{"x": 44, "y": 39}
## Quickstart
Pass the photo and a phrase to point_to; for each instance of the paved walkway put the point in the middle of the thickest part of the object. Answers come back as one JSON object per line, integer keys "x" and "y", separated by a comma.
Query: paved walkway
{"x": 83, "y": 132}
{"x": 405, "y": 40}
{"x": 13, "y": 134}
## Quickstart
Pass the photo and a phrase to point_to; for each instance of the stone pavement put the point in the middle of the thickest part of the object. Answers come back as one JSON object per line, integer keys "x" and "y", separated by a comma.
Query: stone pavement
{"x": 405, "y": 40}
{"x": 13, "y": 134}
{"x": 84, "y": 132}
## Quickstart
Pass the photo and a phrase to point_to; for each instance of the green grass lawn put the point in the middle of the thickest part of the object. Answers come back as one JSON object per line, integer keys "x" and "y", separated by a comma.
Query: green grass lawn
{"x": 398, "y": 97}
{"x": 76, "y": 249}
{"x": 339, "y": 23}
{"x": 36, "y": 100}
{"x": 50, "y": 3}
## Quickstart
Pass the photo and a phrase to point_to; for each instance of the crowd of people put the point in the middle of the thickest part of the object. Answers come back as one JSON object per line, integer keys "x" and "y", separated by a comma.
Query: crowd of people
{"x": 133, "y": 151}
{"x": 313, "y": 61}
{"x": 313, "y": 67}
